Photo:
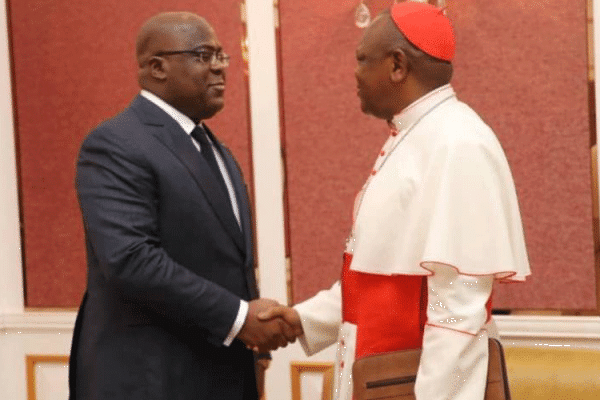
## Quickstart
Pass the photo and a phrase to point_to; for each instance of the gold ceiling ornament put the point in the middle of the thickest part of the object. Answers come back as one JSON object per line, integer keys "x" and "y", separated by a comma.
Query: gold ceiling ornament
{"x": 362, "y": 16}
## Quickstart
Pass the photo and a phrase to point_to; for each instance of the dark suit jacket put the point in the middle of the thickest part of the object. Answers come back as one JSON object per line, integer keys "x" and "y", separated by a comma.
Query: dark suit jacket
{"x": 167, "y": 266}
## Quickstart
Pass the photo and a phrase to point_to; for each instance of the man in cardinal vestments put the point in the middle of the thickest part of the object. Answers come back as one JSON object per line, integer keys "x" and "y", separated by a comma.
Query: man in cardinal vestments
{"x": 435, "y": 225}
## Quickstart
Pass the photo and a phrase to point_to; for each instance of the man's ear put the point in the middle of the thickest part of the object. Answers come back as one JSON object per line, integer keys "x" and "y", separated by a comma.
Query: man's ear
{"x": 400, "y": 67}
{"x": 158, "y": 67}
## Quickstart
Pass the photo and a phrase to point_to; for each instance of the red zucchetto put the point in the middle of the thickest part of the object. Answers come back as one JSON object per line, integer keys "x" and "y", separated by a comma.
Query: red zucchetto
{"x": 426, "y": 27}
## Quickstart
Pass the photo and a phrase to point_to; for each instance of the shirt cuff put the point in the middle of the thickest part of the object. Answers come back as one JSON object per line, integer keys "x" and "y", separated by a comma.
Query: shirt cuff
{"x": 238, "y": 323}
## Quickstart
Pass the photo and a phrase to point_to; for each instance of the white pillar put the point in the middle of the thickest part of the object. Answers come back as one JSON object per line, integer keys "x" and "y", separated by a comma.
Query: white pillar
{"x": 11, "y": 271}
{"x": 596, "y": 55}
{"x": 266, "y": 148}
{"x": 268, "y": 177}
{"x": 12, "y": 380}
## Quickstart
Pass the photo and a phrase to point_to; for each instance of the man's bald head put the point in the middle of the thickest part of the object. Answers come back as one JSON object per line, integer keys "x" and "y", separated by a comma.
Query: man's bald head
{"x": 171, "y": 49}
{"x": 168, "y": 31}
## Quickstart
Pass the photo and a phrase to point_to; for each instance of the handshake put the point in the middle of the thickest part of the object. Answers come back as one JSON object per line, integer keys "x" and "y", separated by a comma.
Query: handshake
{"x": 269, "y": 325}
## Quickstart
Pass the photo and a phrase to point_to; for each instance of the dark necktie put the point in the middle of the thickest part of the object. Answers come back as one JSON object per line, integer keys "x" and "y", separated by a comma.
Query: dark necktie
{"x": 206, "y": 149}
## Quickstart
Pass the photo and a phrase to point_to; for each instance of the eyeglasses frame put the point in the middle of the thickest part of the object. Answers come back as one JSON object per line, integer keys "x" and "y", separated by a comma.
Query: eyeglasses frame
{"x": 218, "y": 58}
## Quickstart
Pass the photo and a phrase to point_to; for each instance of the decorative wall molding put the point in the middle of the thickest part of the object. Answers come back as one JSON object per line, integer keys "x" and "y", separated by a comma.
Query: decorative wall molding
{"x": 322, "y": 369}
{"x": 44, "y": 335}
{"x": 45, "y": 332}
{"x": 556, "y": 331}
{"x": 38, "y": 322}
{"x": 510, "y": 327}
{"x": 37, "y": 368}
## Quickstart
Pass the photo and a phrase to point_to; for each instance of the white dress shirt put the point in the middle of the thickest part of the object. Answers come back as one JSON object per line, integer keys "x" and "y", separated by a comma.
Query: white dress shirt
{"x": 188, "y": 126}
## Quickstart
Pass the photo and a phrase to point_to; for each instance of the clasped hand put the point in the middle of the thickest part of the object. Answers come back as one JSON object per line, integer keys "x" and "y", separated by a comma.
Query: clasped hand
{"x": 269, "y": 325}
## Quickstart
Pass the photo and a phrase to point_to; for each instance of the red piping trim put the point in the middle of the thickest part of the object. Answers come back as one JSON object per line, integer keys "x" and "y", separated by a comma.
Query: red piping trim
{"x": 506, "y": 276}
{"x": 456, "y": 330}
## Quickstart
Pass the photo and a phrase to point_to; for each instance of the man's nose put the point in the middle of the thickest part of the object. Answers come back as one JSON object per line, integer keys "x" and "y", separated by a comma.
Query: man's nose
{"x": 218, "y": 68}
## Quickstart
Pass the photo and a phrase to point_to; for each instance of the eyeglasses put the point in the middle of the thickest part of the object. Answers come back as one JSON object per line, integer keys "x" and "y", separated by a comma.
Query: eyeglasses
{"x": 212, "y": 57}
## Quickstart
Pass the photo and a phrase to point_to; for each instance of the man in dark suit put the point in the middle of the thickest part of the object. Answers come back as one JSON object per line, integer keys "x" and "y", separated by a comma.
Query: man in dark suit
{"x": 171, "y": 303}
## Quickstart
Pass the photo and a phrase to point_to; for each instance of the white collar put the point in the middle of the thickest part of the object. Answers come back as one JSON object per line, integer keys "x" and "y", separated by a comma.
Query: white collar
{"x": 183, "y": 120}
{"x": 419, "y": 107}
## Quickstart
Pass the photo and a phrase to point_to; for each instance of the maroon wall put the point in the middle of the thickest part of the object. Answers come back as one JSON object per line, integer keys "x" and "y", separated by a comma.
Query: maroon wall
{"x": 521, "y": 64}
{"x": 330, "y": 144}
{"x": 73, "y": 66}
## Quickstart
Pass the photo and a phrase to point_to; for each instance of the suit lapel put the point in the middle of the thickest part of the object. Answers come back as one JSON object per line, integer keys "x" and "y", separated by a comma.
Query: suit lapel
{"x": 168, "y": 132}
